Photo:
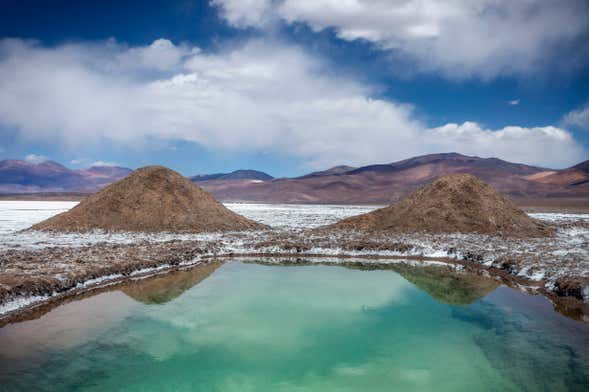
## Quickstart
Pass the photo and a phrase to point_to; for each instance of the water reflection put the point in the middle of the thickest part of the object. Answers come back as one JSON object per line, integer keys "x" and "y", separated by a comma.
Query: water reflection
{"x": 161, "y": 289}
{"x": 250, "y": 326}
{"x": 445, "y": 284}
{"x": 81, "y": 319}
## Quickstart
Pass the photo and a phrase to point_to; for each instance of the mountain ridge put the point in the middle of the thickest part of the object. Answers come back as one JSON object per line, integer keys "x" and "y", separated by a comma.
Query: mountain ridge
{"x": 240, "y": 174}
{"x": 390, "y": 182}
{"x": 370, "y": 184}
{"x": 19, "y": 176}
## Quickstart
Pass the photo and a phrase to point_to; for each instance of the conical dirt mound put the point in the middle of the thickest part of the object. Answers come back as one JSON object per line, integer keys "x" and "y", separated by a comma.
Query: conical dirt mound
{"x": 455, "y": 203}
{"x": 150, "y": 199}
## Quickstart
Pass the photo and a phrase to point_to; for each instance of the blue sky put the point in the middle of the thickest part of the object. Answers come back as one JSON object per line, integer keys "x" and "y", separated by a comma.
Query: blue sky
{"x": 292, "y": 86}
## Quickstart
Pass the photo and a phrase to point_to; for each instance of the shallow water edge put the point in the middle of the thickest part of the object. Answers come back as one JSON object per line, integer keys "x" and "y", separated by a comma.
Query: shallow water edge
{"x": 25, "y": 308}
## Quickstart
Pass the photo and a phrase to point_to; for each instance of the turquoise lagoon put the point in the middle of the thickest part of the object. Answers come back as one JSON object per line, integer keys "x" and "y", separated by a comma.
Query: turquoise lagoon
{"x": 245, "y": 326}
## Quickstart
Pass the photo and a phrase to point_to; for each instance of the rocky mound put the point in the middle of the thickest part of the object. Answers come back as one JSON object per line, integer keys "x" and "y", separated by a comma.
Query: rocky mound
{"x": 150, "y": 199}
{"x": 455, "y": 203}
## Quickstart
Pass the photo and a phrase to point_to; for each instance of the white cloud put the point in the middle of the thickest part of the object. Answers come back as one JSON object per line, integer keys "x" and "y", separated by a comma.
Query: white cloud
{"x": 578, "y": 118}
{"x": 461, "y": 38}
{"x": 161, "y": 55}
{"x": 244, "y": 13}
{"x": 260, "y": 96}
{"x": 90, "y": 163}
{"x": 104, "y": 163}
{"x": 34, "y": 158}
{"x": 551, "y": 146}
{"x": 513, "y": 102}
{"x": 78, "y": 161}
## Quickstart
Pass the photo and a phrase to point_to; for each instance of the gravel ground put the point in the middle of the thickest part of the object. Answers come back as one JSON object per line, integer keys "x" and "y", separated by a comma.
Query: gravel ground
{"x": 35, "y": 266}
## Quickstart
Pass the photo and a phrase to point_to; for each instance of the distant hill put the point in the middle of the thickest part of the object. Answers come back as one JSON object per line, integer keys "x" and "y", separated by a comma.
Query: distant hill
{"x": 577, "y": 175}
{"x": 373, "y": 184}
{"x": 386, "y": 183}
{"x": 18, "y": 176}
{"x": 235, "y": 175}
{"x": 332, "y": 171}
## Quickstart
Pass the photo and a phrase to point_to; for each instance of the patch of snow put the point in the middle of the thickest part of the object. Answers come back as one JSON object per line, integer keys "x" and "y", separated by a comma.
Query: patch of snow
{"x": 21, "y": 302}
{"x": 335, "y": 260}
{"x": 298, "y": 216}
{"x": 96, "y": 281}
{"x": 557, "y": 217}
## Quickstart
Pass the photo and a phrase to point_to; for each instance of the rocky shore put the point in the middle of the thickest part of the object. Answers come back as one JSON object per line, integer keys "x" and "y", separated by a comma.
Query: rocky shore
{"x": 547, "y": 266}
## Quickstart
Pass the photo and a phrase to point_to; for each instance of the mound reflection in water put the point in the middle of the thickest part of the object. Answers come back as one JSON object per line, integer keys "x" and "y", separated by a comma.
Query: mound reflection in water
{"x": 258, "y": 327}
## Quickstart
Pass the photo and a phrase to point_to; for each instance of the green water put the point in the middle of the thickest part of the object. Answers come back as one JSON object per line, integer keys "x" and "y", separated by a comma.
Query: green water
{"x": 251, "y": 327}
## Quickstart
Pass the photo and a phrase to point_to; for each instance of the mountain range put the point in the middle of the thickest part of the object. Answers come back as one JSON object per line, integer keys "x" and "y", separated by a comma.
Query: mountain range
{"x": 234, "y": 175}
{"x": 18, "y": 176}
{"x": 386, "y": 183}
{"x": 376, "y": 184}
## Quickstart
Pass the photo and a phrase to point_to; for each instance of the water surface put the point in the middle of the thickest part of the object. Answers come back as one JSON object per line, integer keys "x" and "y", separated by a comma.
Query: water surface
{"x": 250, "y": 327}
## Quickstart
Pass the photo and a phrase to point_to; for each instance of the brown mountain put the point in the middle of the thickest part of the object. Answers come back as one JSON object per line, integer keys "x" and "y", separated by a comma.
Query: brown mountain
{"x": 332, "y": 171}
{"x": 234, "y": 175}
{"x": 386, "y": 183}
{"x": 151, "y": 199}
{"x": 18, "y": 176}
{"x": 574, "y": 176}
{"x": 457, "y": 203}
{"x": 375, "y": 184}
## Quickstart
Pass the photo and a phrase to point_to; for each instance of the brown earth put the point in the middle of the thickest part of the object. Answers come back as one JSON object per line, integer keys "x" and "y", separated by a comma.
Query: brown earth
{"x": 57, "y": 270}
{"x": 559, "y": 205}
{"x": 575, "y": 176}
{"x": 388, "y": 183}
{"x": 61, "y": 271}
{"x": 151, "y": 199}
{"x": 456, "y": 203}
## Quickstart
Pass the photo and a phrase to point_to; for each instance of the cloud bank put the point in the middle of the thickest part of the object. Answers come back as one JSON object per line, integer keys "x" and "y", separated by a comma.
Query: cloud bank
{"x": 260, "y": 96}
{"x": 460, "y": 38}
{"x": 578, "y": 118}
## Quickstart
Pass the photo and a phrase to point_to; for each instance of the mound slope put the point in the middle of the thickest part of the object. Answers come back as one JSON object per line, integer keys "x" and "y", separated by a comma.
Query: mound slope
{"x": 454, "y": 203}
{"x": 150, "y": 199}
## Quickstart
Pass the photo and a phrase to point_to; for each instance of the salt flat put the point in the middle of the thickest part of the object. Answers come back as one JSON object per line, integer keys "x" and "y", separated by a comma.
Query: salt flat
{"x": 546, "y": 259}
{"x": 20, "y": 215}
{"x": 16, "y": 216}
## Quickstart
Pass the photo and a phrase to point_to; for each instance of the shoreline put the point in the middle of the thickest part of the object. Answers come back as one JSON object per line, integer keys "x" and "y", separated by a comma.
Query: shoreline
{"x": 38, "y": 267}
{"x": 567, "y": 305}
{"x": 568, "y": 205}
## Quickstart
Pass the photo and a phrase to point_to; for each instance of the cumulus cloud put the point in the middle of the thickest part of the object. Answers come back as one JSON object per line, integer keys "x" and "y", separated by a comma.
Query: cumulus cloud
{"x": 34, "y": 158}
{"x": 244, "y": 13}
{"x": 461, "y": 38}
{"x": 104, "y": 164}
{"x": 578, "y": 118}
{"x": 518, "y": 144}
{"x": 260, "y": 96}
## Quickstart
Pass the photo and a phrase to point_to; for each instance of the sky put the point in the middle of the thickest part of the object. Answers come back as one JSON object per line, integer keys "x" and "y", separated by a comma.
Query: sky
{"x": 289, "y": 87}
